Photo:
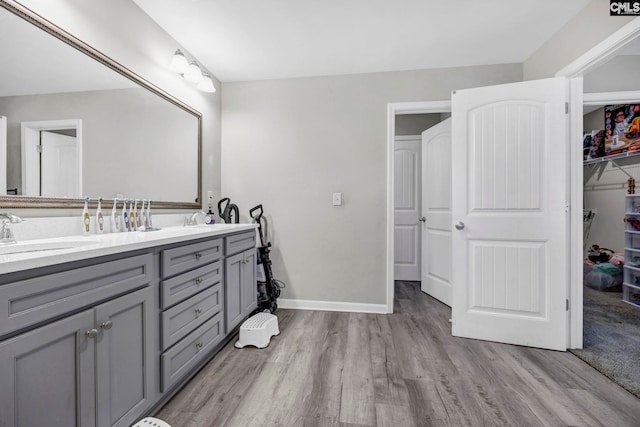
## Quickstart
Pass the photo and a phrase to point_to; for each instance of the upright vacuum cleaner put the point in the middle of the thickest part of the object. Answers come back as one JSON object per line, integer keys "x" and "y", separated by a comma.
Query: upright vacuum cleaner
{"x": 268, "y": 286}
{"x": 229, "y": 213}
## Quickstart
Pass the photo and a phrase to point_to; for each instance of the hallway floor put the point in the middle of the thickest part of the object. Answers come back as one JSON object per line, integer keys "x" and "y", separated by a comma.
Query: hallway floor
{"x": 404, "y": 369}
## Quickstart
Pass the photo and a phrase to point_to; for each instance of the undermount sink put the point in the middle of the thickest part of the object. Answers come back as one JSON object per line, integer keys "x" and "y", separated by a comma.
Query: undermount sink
{"x": 26, "y": 247}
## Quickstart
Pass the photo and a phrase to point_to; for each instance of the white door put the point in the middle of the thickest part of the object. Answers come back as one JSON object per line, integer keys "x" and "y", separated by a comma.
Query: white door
{"x": 407, "y": 209}
{"x": 59, "y": 176}
{"x": 509, "y": 208}
{"x": 436, "y": 208}
{"x": 3, "y": 156}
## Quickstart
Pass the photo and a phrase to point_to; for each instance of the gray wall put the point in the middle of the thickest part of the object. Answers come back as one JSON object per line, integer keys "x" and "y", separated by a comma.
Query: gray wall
{"x": 119, "y": 29}
{"x": 415, "y": 124}
{"x": 289, "y": 144}
{"x": 589, "y": 27}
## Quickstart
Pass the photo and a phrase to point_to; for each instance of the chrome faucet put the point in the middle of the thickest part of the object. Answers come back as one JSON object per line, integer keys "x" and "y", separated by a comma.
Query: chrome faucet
{"x": 6, "y": 234}
{"x": 193, "y": 219}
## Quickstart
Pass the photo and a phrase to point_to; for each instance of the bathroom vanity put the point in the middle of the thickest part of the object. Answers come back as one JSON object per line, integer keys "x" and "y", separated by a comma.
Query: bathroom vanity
{"x": 101, "y": 332}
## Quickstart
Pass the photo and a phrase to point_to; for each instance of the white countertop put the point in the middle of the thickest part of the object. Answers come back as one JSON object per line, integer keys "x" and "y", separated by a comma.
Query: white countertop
{"x": 95, "y": 245}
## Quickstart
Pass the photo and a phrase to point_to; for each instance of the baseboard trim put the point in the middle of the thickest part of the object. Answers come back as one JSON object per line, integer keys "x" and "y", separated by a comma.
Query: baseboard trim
{"x": 352, "y": 307}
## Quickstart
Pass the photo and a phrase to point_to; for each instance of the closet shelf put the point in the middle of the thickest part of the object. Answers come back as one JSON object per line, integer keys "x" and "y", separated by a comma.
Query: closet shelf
{"x": 631, "y": 286}
{"x": 631, "y": 274}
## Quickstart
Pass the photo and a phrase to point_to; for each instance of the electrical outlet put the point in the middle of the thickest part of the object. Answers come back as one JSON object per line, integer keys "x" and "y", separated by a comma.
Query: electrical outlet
{"x": 337, "y": 199}
{"x": 210, "y": 198}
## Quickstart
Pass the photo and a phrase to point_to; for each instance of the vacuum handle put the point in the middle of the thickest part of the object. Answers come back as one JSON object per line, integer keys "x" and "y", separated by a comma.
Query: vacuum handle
{"x": 220, "y": 209}
{"x": 259, "y": 215}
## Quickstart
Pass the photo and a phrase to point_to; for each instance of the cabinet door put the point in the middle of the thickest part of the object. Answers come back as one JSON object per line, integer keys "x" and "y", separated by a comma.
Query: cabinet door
{"x": 233, "y": 309}
{"x": 125, "y": 364}
{"x": 47, "y": 375}
{"x": 249, "y": 286}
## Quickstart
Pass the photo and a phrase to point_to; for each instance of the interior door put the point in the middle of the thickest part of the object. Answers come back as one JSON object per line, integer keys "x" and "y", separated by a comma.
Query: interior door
{"x": 407, "y": 154}
{"x": 3, "y": 155}
{"x": 436, "y": 208}
{"x": 510, "y": 213}
{"x": 59, "y": 166}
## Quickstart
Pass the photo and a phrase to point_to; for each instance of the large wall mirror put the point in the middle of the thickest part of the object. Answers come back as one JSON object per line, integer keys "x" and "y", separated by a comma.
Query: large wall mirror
{"x": 73, "y": 122}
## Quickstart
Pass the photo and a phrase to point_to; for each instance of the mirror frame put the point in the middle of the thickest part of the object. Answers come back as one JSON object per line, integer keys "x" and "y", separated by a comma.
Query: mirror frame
{"x": 20, "y": 202}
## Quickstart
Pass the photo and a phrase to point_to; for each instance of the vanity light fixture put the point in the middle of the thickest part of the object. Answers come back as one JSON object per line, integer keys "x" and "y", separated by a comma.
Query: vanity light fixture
{"x": 191, "y": 72}
{"x": 179, "y": 63}
{"x": 206, "y": 84}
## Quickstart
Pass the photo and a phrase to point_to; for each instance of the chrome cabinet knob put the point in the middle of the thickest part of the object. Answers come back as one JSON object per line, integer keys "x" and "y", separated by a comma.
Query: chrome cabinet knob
{"x": 198, "y": 311}
{"x": 198, "y": 255}
{"x": 199, "y": 344}
{"x": 423, "y": 219}
{"x": 459, "y": 225}
{"x": 198, "y": 280}
{"x": 106, "y": 325}
{"x": 91, "y": 333}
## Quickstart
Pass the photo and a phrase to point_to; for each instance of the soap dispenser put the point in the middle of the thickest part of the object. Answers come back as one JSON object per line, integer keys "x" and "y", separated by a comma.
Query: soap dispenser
{"x": 149, "y": 214}
{"x": 99, "y": 218}
{"x": 86, "y": 219}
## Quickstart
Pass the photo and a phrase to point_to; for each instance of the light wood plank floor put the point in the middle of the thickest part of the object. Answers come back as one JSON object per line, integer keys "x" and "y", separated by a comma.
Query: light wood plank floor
{"x": 405, "y": 369}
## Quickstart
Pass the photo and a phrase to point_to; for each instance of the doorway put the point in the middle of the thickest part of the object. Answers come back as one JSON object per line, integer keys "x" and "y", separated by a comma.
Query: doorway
{"x": 52, "y": 158}
{"x": 433, "y": 108}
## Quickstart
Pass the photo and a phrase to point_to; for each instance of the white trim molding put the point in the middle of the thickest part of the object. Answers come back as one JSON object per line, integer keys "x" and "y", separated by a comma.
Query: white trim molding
{"x": 349, "y": 307}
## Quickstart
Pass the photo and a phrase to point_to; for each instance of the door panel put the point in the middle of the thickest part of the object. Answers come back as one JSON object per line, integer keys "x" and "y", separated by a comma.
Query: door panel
{"x": 436, "y": 207}
{"x": 60, "y": 175}
{"x": 57, "y": 357}
{"x": 510, "y": 181}
{"x": 126, "y": 377}
{"x": 407, "y": 209}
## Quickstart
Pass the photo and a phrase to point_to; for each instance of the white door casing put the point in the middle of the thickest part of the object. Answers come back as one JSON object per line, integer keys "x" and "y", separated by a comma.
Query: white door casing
{"x": 509, "y": 208}
{"x": 407, "y": 158}
{"x": 59, "y": 166}
{"x": 436, "y": 208}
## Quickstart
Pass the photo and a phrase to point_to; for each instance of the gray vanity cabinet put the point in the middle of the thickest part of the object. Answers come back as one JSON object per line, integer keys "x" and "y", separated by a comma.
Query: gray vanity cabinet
{"x": 94, "y": 367}
{"x": 240, "y": 278}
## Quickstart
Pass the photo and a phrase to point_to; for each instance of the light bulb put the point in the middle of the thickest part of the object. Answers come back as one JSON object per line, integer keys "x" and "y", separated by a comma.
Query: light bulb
{"x": 206, "y": 84}
{"x": 193, "y": 73}
{"x": 179, "y": 63}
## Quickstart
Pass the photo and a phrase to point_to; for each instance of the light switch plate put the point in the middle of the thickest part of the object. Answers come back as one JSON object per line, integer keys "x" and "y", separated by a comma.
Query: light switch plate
{"x": 337, "y": 199}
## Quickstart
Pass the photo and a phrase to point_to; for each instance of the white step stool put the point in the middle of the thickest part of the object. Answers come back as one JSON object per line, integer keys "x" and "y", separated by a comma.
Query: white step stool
{"x": 151, "y": 422}
{"x": 258, "y": 330}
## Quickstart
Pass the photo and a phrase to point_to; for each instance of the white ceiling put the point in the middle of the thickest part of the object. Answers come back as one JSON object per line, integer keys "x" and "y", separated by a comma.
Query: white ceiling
{"x": 241, "y": 40}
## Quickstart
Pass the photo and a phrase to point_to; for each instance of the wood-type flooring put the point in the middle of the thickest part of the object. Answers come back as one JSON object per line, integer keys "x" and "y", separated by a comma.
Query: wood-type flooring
{"x": 404, "y": 369}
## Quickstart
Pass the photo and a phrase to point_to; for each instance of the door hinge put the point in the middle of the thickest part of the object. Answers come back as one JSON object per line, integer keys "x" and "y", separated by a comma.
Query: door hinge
{"x": 39, "y": 148}
{"x": 566, "y": 108}
{"x": 567, "y": 304}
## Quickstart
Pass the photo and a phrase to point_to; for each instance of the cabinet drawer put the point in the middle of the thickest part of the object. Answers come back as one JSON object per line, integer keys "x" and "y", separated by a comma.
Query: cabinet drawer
{"x": 180, "y": 320}
{"x": 27, "y": 302}
{"x": 181, "y": 287}
{"x": 188, "y": 352}
{"x": 239, "y": 242}
{"x": 187, "y": 257}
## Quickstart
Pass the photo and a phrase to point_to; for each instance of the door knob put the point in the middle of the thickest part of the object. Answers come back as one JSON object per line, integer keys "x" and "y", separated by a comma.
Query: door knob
{"x": 459, "y": 225}
{"x": 423, "y": 219}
